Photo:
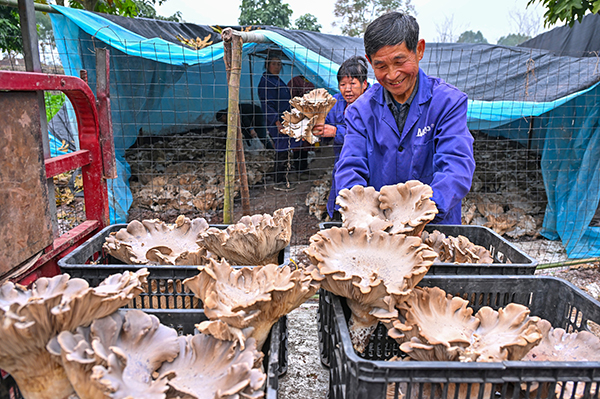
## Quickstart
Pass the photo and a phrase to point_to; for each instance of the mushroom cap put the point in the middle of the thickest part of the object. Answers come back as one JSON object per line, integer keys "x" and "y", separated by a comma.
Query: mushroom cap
{"x": 117, "y": 355}
{"x": 211, "y": 368}
{"x": 359, "y": 207}
{"x": 301, "y": 130}
{"x": 254, "y": 240}
{"x": 354, "y": 264}
{"x": 159, "y": 243}
{"x": 436, "y": 325}
{"x": 249, "y": 300}
{"x": 408, "y": 206}
{"x": 506, "y": 334}
{"x": 557, "y": 345}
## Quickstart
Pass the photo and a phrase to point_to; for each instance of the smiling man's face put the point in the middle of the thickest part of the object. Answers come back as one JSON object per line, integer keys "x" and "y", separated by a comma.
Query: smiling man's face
{"x": 396, "y": 68}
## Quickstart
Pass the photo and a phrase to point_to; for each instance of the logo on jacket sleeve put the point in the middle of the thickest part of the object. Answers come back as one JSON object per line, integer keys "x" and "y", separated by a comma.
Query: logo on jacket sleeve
{"x": 423, "y": 131}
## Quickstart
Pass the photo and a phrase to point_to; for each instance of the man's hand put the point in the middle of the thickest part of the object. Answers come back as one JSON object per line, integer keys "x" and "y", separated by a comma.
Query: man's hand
{"x": 253, "y": 133}
{"x": 324, "y": 130}
{"x": 279, "y": 126}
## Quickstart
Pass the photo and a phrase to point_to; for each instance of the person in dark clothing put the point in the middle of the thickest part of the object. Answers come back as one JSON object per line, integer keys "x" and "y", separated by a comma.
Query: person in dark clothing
{"x": 251, "y": 122}
{"x": 275, "y": 99}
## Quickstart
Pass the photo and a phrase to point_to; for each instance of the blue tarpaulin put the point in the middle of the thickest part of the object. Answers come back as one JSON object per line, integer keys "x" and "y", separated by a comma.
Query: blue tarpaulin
{"x": 159, "y": 86}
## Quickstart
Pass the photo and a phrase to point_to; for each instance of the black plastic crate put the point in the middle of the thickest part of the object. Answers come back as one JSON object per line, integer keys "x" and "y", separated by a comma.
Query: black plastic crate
{"x": 367, "y": 376}
{"x": 508, "y": 260}
{"x": 165, "y": 288}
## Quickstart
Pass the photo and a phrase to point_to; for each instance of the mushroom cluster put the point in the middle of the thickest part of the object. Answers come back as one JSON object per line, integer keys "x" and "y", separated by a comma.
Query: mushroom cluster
{"x": 245, "y": 303}
{"x": 254, "y": 240}
{"x": 433, "y": 325}
{"x": 403, "y": 208}
{"x": 374, "y": 271}
{"x": 456, "y": 249}
{"x": 62, "y": 338}
{"x": 307, "y": 111}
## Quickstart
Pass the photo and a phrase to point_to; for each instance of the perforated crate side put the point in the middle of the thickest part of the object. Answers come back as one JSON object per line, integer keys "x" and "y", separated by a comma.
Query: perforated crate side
{"x": 508, "y": 260}
{"x": 559, "y": 302}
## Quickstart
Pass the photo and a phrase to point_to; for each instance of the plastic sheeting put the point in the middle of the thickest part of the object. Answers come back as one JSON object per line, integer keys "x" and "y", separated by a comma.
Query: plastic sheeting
{"x": 571, "y": 170}
{"x": 159, "y": 87}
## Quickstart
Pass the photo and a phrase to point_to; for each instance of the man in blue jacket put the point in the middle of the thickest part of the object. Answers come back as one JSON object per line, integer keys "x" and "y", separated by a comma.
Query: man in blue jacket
{"x": 410, "y": 126}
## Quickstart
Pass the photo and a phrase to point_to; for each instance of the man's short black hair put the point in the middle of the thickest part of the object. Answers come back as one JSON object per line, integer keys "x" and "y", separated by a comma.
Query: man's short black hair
{"x": 391, "y": 29}
{"x": 353, "y": 67}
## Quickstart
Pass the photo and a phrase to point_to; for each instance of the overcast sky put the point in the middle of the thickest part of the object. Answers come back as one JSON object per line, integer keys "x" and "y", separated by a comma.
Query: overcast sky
{"x": 491, "y": 17}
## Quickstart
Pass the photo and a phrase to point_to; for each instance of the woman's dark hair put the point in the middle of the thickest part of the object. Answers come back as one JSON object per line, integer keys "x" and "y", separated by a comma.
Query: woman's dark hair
{"x": 389, "y": 30}
{"x": 271, "y": 57}
{"x": 353, "y": 67}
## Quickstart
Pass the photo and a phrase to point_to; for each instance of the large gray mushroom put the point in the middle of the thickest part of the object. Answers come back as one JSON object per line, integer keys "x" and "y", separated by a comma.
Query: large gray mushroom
{"x": 117, "y": 355}
{"x": 209, "y": 368}
{"x": 156, "y": 242}
{"x": 307, "y": 111}
{"x": 29, "y": 318}
{"x": 247, "y": 302}
{"x": 374, "y": 272}
{"x": 254, "y": 240}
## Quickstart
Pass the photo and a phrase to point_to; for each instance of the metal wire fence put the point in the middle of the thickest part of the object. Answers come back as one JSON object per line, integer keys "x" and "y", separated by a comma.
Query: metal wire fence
{"x": 534, "y": 118}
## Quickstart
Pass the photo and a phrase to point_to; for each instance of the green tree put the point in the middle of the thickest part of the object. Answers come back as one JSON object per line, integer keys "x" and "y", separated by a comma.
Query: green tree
{"x": 356, "y": 15}
{"x": 10, "y": 30}
{"x": 308, "y": 22}
{"x": 471, "y": 37}
{"x": 567, "y": 11}
{"x": 513, "y": 39}
{"x": 265, "y": 12}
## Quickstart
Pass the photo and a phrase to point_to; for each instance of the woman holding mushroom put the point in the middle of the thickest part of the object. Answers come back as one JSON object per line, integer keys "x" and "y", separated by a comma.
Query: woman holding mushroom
{"x": 352, "y": 82}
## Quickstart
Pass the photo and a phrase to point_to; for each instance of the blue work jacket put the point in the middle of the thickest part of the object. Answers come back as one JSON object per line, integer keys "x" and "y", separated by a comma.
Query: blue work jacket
{"x": 275, "y": 99}
{"x": 435, "y": 146}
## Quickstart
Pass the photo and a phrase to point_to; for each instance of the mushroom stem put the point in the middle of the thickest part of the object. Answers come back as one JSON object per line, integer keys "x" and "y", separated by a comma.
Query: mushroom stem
{"x": 44, "y": 380}
{"x": 361, "y": 325}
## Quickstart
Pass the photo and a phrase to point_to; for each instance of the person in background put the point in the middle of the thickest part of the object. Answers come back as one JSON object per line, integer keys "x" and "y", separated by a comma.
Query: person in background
{"x": 352, "y": 83}
{"x": 275, "y": 99}
{"x": 409, "y": 126}
{"x": 251, "y": 122}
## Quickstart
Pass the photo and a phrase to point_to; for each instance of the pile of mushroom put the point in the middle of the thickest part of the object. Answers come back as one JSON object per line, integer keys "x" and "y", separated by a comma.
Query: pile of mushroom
{"x": 245, "y": 303}
{"x": 29, "y": 318}
{"x": 307, "y": 111}
{"x": 254, "y": 240}
{"x": 62, "y": 338}
{"x": 129, "y": 354}
{"x": 456, "y": 249}
{"x": 156, "y": 242}
{"x": 433, "y": 325}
